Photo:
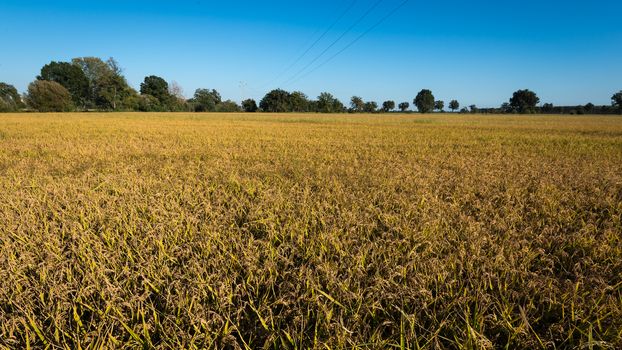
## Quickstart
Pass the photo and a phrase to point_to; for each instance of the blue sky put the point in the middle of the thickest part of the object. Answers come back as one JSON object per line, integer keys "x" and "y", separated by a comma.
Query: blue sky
{"x": 478, "y": 52}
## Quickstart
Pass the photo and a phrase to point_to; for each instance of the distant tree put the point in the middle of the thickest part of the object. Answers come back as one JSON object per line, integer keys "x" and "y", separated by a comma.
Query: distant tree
{"x": 130, "y": 101}
{"x": 299, "y": 102}
{"x": 69, "y": 76}
{"x": 108, "y": 88}
{"x": 589, "y": 107}
{"x": 313, "y": 106}
{"x": 95, "y": 69}
{"x": 357, "y": 105}
{"x": 370, "y": 107}
{"x": 175, "y": 90}
{"x": 439, "y": 105}
{"x": 464, "y": 110}
{"x": 454, "y": 105}
{"x": 276, "y": 101}
{"x": 227, "y": 106}
{"x": 473, "y": 109}
{"x": 327, "y": 103}
{"x": 10, "y": 101}
{"x": 507, "y": 108}
{"x": 148, "y": 103}
{"x": 524, "y": 101}
{"x": 179, "y": 105}
{"x": 249, "y": 105}
{"x": 158, "y": 88}
{"x": 48, "y": 96}
{"x": 424, "y": 101}
{"x": 404, "y": 106}
{"x": 388, "y": 106}
{"x": 616, "y": 101}
{"x": 205, "y": 100}
{"x": 178, "y": 101}
{"x": 115, "y": 93}
{"x": 547, "y": 108}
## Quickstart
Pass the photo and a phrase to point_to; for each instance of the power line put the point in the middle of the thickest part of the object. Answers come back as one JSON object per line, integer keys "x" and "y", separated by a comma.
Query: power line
{"x": 294, "y": 77}
{"x": 301, "y": 56}
{"x": 352, "y": 42}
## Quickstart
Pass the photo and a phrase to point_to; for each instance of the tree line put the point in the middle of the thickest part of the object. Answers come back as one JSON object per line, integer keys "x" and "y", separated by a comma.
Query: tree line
{"x": 90, "y": 83}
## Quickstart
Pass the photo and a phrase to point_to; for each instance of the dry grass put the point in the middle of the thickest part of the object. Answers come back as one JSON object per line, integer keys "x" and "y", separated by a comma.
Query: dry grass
{"x": 310, "y": 231}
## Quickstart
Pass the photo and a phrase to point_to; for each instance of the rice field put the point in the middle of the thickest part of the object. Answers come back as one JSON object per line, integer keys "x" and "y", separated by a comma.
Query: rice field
{"x": 304, "y": 231}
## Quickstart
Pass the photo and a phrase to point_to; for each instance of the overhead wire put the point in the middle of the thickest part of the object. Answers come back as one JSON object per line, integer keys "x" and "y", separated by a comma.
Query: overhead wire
{"x": 310, "y": 47}
{"x": 352, "y": 42}
{"x": 361, "y": 18}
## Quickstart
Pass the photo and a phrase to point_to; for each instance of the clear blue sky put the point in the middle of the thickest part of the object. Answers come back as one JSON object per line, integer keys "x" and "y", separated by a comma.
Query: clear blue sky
{"x": 479, "y": 52}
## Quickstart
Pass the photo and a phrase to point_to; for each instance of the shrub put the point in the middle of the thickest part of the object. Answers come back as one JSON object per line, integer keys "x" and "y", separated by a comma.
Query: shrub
{"x": 48, "y": 96}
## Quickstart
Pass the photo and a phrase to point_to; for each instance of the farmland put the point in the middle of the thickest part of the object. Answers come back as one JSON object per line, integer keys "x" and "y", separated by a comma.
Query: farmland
{"x": 173, "y": 230}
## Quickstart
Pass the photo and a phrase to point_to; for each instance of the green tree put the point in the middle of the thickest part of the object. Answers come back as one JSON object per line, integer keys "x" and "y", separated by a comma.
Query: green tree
{"x": 227, "y": 106}
{"x": 114, "y": 93}
{"x": 313, "y": 106}
{"x": 506, "y": 108}
{"x": 148, "y": 103}
{"x": 388, "y": 106}
{"x": 92, "y": 67}
{"x": 524, "y": 101}
{"x": 424, "y": 101}
{"x": 616, "y": 100}
{"x": 276, "y": 101}
{"x": 48, "y": 96}
{"x": 404, "y": 106}
{"x": 108, "y": 88}
{"x": 589, "y": 107}
{"x": 454, "y": 105}
{"x": 370, "y": 107}
{"x": 179, "y": 105}
{"x": 69, "y": 76}
{"x": 357, "y": 105}
{"x": 547, "y": 108}
{"x": 206, "y": 100}
{"x": 10, "y": 101}
{"x": 178, "y": 100}
{"x": 580, "y": 110}
{"x": 439, "y": 105}
{"x": 158, "y": 88}
{"x": 327, "y": 103}
{"x": 130, "y": 102}
{"x": 249, "y": 105}
{"x": 474, "y": 109}
{"x": 299, "y": 102}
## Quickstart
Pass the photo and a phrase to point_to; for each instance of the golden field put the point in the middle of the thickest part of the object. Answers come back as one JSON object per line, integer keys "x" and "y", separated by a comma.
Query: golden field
{"x": 295, "y": 231}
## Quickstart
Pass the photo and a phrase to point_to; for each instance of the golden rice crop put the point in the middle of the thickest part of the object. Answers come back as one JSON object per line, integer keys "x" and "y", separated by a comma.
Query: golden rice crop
{"x": 310, "y": 231}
